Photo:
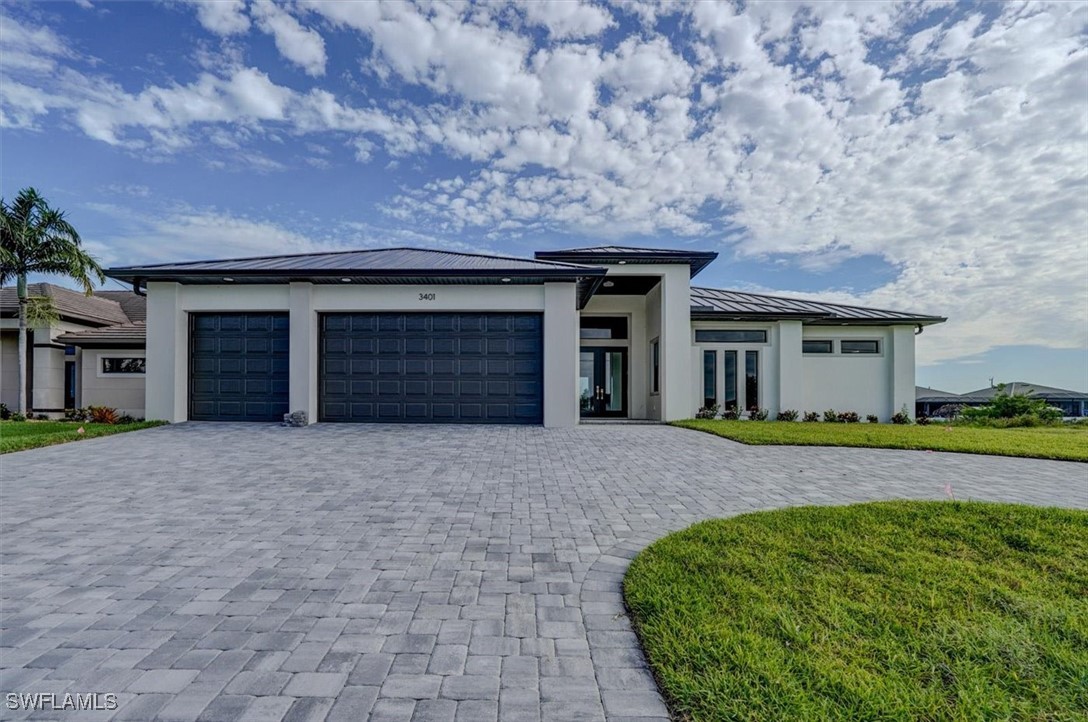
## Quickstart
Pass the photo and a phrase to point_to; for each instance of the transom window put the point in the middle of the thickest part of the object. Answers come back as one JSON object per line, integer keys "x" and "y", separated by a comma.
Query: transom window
{"x": 714, "y": 335}
{"x": 817, "y": 346}
{"x": 123, "y": 365}
{"x": 603, "y": 327}
{"x": 859, "y": 346}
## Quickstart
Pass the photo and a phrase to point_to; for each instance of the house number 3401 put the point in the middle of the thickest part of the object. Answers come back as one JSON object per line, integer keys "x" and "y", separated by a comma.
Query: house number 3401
{"x": 428, "y": 296}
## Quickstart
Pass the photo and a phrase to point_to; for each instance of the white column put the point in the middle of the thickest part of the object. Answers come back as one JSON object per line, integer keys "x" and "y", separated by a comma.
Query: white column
{"x": 167, "y": 376}
{"x": 303, "y": 351}
{"x": 791, "y": 377}
{"x": 676, "y": 382}
{"x": 560, "y": 355}
{"x": 902, "y": 369}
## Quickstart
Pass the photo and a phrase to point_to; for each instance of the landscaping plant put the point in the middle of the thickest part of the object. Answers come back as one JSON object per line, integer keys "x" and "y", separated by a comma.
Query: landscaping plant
{"x": 36, "y": 238}
{"x": 786, "y": 415}
{"x": 811, "y": 416}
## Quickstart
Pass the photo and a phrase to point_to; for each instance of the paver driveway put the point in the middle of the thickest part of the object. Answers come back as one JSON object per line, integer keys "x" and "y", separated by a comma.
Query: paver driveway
{"x": 223, "y": 572}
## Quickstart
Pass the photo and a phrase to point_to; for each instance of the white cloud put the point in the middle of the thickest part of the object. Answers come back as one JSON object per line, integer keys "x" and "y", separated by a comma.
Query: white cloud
{"x": 950, "y": 144}
{"x": 222, "y": 17}
{"x": 302, "y": 46}
{"x": 568, "y": 18}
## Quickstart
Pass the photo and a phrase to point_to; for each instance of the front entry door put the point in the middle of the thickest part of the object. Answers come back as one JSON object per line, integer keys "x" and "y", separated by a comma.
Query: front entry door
{"x": 602, "y": 381}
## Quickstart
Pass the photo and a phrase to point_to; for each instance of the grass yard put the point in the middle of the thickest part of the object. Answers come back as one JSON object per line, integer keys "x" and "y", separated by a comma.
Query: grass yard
{"x": 887, "y": 611}
{"x": 1066, "y": 443}
{"x": 22, "y": 435}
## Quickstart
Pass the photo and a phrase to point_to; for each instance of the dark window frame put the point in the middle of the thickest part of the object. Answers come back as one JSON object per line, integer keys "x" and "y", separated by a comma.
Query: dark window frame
{"x": 730, "y": 335}
{"x": 123, "y": 361}
{"x": 604, "y": 328}
{"x": 710, "y": 377}
{"x": 830, "y": 346}
{"x": 655, "y": 366}
{"x": 843, "y": 344}
{"x": 751, "y": 380}
{"x": 730, "y": 397}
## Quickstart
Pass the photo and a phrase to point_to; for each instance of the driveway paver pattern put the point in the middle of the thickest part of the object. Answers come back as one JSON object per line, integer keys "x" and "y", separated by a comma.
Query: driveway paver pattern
{"x": 215, "y": 572}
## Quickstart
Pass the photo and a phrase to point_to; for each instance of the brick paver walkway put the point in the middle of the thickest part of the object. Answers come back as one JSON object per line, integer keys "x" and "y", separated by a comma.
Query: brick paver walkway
{"x": 234, "y": 572}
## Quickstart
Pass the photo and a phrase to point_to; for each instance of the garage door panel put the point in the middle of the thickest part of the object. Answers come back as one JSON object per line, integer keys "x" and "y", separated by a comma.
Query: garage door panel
{"x": 239, "y": 365}
{"x": 441, "y": 367}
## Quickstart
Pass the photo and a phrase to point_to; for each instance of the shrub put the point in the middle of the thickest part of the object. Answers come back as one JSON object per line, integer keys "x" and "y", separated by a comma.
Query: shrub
{"x": 16, "y": 416}
{"x": 786, "y": 415}
{"x": 102, "y": 414}
{"x": 902, "y": 416}
{"x": 731, "y": 414}
{"x": 949, "y": 411}
{"x": 757, "y": 414}
{"x": 831, "y": 416}
{"x": 5, "y": 412}
{"x": 810, "y": 416}
{"x": 849, "y": 417}
{"x": 126, "y": 419}
{"x": 1013, "y": 406}
{"x": 707, "y": 412}
{"x": 873, "y": 419}
{"x": 77, "y": 414}
{"x": 922, "y": 420}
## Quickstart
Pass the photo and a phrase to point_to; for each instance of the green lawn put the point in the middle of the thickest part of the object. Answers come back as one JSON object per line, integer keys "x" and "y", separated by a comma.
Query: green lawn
{"x": 891, "y": 611}
{"x": 1069, "y": 443}
{"x": 22, "y": 435}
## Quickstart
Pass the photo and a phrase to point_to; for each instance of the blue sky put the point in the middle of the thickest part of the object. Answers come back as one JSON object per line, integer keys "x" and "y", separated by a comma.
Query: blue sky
{"x": 919, "y": 157}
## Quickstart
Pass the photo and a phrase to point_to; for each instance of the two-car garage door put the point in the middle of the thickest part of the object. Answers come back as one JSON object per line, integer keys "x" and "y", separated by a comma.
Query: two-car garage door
{"x": 376, "y": 367}
{"x": 432, "y": 367}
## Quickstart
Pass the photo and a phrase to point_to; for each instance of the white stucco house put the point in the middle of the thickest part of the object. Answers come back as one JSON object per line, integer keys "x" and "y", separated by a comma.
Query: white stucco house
{"x": 426, "y": 336}
{"x": 92, "y": 355}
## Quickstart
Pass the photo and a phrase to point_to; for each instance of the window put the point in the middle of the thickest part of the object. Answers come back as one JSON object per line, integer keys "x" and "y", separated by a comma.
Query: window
{"x": 69, "y": 350}
{"x": 846, "y": 346}
{"x": 815, "y": 346}
{"x": 730, "y": 360}
{"x": 707, "y": 335}
{"x": 115, "y": 365}
{"x": 655, "y": 366}
{"x": 603, "y": 327}
{"x": 751, "y": 379}
{"x": 710, "y": 378}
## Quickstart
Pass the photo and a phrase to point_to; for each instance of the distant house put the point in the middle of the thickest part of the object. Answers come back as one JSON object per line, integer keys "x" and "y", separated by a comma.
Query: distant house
{"x": 1074, "y": 404}
{"x": 93, "y": 355}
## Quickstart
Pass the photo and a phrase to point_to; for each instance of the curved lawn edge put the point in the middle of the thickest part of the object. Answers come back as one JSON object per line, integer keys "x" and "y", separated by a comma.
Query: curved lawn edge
{"x": 894, "y": 610}
{"x": 1054, "y": 443}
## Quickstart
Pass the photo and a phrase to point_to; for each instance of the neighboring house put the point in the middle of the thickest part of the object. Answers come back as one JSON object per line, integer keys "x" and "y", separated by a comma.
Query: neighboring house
{"x": 412, "y": 335}
{"x": 93, "y": 355}
{"x": 1074, "y": 404}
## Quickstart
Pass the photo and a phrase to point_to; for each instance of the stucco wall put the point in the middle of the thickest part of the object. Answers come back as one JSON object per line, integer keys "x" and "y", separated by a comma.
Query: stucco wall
{"x": 124, "y": 392}
{"x": 863, "y": 383}
{"x": 9, "y": 369}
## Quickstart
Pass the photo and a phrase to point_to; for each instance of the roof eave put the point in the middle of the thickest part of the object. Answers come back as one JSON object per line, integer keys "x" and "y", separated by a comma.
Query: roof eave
{"x": 132, "y": 275}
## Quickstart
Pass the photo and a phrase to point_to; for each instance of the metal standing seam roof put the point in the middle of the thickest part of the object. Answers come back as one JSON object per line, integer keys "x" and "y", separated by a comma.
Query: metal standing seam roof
{"x": 102, "y": 308}
{"x": 697, "y": 260}
{"x": 711, "y": 302}
{"x": 381, "y": 261}
{"x": 134, "y": 334}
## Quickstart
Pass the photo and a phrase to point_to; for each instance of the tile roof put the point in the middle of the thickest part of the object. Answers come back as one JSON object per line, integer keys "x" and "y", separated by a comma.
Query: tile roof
{"x": 103, "y": 308}
{"x": 1028, "y": 389}
{"x": 119, "y": 335}
{"x": 712, "y": 302}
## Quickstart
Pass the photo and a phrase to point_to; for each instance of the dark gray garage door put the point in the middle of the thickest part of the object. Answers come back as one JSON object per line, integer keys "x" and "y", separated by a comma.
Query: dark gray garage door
{"x": 432, "y": 367}
{"x": 239, "y": 366}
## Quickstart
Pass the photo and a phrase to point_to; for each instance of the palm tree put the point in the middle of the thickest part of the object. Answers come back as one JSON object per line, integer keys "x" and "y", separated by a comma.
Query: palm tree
{"x": 35, "y": 238}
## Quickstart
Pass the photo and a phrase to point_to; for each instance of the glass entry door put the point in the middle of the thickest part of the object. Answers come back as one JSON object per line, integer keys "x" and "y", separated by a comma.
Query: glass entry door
{"x": 602, "y": 381}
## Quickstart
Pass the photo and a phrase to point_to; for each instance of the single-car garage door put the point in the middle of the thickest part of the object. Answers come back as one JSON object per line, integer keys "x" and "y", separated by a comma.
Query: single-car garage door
{"x": 432, "y": 367}
{"x": 238, "y": 366}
